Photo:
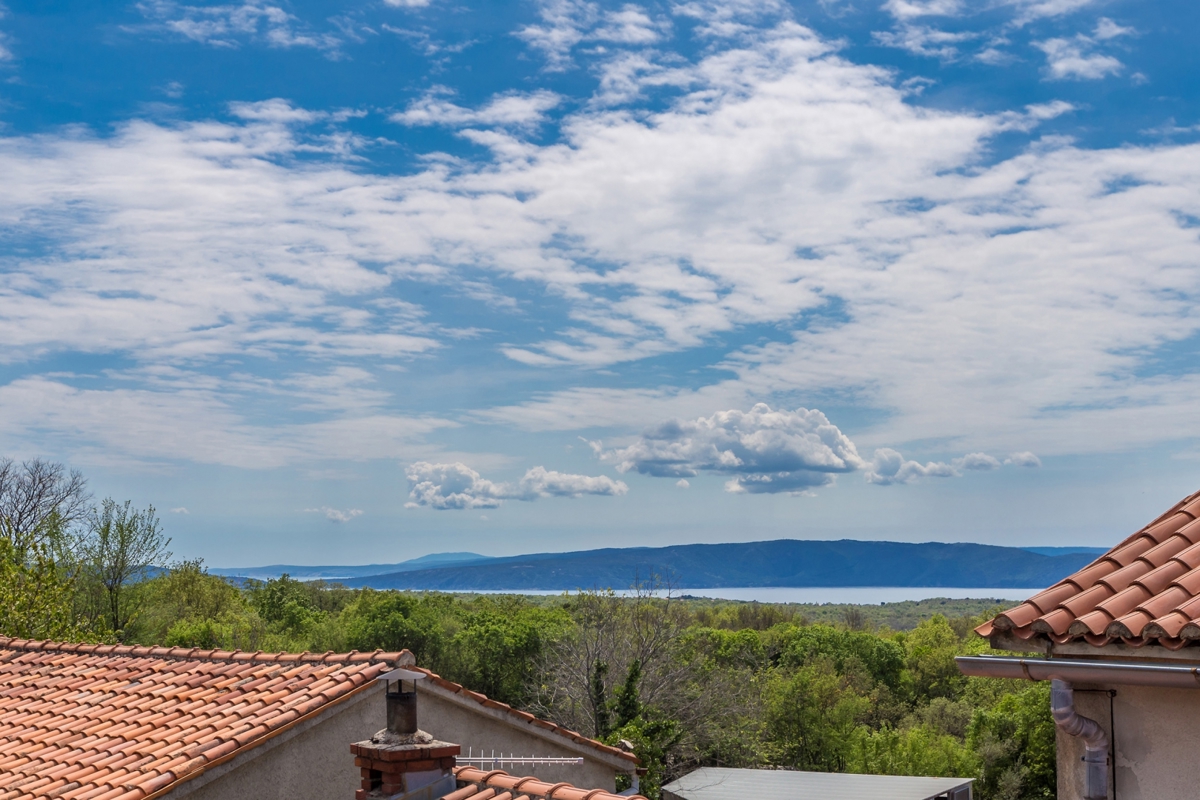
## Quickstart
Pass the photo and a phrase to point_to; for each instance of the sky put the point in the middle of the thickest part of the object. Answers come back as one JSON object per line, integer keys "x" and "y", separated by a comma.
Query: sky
{"x": 354, "y": 282}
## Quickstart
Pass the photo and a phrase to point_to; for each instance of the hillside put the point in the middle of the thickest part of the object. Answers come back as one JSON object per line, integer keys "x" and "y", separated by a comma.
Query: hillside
{"x": 780, "y": 563}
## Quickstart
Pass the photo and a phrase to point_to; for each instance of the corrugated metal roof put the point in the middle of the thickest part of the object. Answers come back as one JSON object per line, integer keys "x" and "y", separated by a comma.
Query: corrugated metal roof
{"x": 715, "y": 783}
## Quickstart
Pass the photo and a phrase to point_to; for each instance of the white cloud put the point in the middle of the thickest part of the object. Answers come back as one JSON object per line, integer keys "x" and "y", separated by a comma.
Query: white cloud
{"x": 1073, "y": 59}
{"x": 1030, "y": 10}
{"x": 457, "y": 486}
{"x": 407, "y": 3}
{"x": 1107, "y": 29}
{"x": 1023, "y": 459}
{"x": 909, "y": 9}
{"x": 334, "y": 514}
{"x": 180, "y": 510}
{"x": 765, "y": 451}
{"x": 230, "y": 25}
{"x": 629, "y": 25}
{"x": 540, "y": 482}
{"x": 567, "y": 23}
{"x": 196, "y": 423}
{"x": 923, "y": 41}
{"x": 682, "y": 483}
{"x": 977, "y": 461}
{"x": 783, "y": 187}
{"x": 888, "y": 467}
{"x": 515, "y": 109}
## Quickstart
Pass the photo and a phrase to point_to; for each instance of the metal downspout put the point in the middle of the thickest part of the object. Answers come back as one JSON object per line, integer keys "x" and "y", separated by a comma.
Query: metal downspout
{"x": 1095, "y": 740}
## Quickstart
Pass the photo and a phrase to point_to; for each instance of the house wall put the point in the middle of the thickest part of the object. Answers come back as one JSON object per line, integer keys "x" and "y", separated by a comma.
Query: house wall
{"x": 312, "y": 761}
{"x": 478, "y": 730}
{"x": 1157, "y": 735}
{"x": 309, "y": 762}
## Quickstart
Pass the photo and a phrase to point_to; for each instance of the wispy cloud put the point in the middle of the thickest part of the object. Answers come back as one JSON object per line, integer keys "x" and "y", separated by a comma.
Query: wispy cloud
{"x": 511, "y": 109}
{"x": 233, "y": 25}
{"x": 335, "y": 514}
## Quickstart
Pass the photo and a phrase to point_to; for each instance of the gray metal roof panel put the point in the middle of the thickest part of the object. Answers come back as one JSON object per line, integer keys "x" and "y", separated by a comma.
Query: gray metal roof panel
{"x": 717, "y": 783}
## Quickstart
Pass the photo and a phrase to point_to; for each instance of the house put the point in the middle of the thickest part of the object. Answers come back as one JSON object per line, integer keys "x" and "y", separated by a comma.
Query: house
{"x": 1120, "y": 641}
{"x": 715, "y": 783}
{"x": 109, "y": 722}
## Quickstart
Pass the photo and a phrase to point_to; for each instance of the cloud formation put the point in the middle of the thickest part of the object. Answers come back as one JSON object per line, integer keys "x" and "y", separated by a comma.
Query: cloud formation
{"x": 457, "y": 486}
{"x": 1074, "y": 59}
{"x": 230, "y": 25}
{"x": 763, "y": 451}
{"x": 889, "y": 467}
{"x": 786, "y": 187}
{"x": 511, "y": 109}
{"x": 334, "y": 514}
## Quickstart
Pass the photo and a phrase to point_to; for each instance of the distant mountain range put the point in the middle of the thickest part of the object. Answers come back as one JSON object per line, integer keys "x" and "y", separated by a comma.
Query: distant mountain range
{"x": 779, "y": 563}
{"x": 343, "y": 572}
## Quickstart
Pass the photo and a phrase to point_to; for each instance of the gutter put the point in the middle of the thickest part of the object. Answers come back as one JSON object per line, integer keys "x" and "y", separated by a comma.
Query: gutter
{"x": 1167, "y": 676}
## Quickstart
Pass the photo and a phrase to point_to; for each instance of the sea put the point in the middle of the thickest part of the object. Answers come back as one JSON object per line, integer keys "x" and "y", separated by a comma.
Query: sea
{"x": 858, "y": 595}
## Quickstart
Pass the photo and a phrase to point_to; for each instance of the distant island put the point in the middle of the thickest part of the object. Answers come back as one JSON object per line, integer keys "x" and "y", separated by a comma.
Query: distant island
{"x": 783, "y": 563}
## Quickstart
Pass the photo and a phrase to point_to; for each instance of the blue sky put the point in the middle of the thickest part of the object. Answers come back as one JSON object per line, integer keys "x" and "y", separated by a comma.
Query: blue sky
{"x": 339, "y": 283}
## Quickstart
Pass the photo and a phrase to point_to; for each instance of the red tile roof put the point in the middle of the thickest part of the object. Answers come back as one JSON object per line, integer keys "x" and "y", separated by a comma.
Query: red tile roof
{"x": 476, "y": 784}
{"x": 108, "y": 722}
{"x": 1146, "y": 590}
{"x": 517, "y": 717}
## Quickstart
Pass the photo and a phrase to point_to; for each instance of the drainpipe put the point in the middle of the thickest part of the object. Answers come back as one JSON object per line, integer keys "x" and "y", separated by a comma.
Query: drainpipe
{"x": 1095, "y": 741}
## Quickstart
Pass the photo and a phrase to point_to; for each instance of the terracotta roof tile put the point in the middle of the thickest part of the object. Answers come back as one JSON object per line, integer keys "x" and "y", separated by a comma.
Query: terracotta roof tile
{"x": 523, "y": 717}
{"x": 1146, "y": 590}
{"x": 475, "y": 784}
{"x": 88, "y": 722}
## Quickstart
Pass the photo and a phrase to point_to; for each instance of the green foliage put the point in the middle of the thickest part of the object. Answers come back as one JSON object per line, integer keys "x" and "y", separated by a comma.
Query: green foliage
{"x": 122, "y": 543}
{"x": 920, "y": 750}
{"x": 396, "y": 621}
{"x": 884, "y": 660}
{"x": 626, "y": 705}
{"x": 1015, "y": 743}
{"x": 36, "y": 596}
{"x": 812, "y": 714}
{"x": 654, "y": 737}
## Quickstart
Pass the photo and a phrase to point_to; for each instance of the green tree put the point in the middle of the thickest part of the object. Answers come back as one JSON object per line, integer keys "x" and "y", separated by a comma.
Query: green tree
{"x": 598, "y": 696}
{"x": 397, "y": 621}
{"x": 1016, "y": 746}
{"x": 121, "y": 545}
{"x": 812, "y": 715}
{"x": 36, "y": 595}
{"x": 626, "y": 705}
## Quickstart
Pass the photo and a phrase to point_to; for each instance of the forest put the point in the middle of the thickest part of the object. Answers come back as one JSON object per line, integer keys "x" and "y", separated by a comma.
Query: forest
{"x": 687, "y": 682}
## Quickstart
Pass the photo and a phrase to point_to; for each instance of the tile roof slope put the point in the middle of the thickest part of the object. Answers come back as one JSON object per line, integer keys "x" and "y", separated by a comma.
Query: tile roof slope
{"x": 109, "y": 722}
{"x": 1146, "y": 590}
{"x": 477, "y": 784}
{"x": 525, "y": 717}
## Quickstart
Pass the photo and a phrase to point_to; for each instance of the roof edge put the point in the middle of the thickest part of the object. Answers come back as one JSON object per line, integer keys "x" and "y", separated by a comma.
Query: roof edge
{"x": 401, "y": 658}
{"x": 516, "y": 717}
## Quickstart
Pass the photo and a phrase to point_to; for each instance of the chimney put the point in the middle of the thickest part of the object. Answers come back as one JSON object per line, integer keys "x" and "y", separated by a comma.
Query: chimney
{"x": 402, "y": 762}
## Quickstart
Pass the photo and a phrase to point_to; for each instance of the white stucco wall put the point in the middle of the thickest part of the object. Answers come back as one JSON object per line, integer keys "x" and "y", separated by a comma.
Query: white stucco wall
{"x": 1157, "y": 743}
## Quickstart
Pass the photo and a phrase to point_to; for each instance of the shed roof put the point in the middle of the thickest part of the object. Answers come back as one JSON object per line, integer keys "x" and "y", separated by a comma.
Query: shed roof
{"x": 108, "y": 722}
{"x": 1146, "y": 590}
{"x": 717, "y": 783}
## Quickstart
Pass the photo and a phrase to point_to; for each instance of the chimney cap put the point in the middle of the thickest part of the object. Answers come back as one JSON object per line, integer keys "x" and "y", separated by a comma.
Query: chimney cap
{"x": 401, "y": 674}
